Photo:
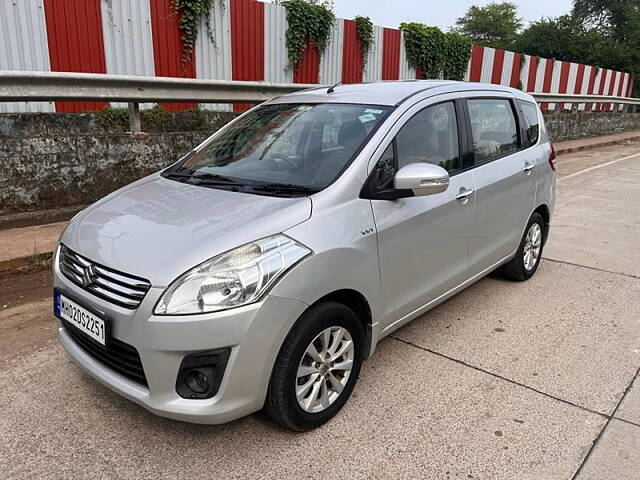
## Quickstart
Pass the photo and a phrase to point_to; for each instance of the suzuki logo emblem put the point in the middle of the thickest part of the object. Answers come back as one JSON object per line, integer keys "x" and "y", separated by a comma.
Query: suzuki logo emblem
{"x": 89, "y": 275}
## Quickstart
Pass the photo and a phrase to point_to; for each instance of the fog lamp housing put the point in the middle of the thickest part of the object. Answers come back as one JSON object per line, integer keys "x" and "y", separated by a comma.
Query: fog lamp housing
{"x": 201, "y": 373}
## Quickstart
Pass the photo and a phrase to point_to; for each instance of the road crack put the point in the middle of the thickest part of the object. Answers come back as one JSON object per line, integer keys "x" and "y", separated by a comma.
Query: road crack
{"x": 630, "y": 275}
{"x": 609, "y": 417}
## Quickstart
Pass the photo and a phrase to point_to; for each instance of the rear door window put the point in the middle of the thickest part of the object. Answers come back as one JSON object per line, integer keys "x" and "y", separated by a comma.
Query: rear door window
{"x": 493, "y": 127}
{"x": 532, "y": 122}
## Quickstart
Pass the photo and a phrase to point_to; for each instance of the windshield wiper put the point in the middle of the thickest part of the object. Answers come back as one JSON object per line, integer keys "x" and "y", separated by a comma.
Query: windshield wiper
{"x": 212, "y": 179}
{"x": 284, "y": 188}
{"x": 215, "y": 179}
{"x": 206, "y": 178}
{"x": 176, "y": 175}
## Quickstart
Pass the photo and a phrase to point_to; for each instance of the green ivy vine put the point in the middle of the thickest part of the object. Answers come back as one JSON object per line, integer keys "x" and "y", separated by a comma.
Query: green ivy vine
{"x": 364, "y": 30}
{"x": 435, "y": 53}
{"x": 307, "y": 21}
{"x": 457, "y": 51}
{"x": 425, "y": 48}
{"x": 190, "y": 12}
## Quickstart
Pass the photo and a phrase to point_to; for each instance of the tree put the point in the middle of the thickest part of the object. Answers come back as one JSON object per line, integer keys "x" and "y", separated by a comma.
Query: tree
{"x": 618, "y": 19}
{"x": 494, "y": 25}
{"x": 605, "y": 33}
{"x": 562, "y": 38}
{"x": 617, "y": 23}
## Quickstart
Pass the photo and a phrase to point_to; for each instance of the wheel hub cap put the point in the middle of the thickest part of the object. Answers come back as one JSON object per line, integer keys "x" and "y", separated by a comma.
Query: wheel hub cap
{"x": 324, "y": 369}
{"x": 532, "y": 246}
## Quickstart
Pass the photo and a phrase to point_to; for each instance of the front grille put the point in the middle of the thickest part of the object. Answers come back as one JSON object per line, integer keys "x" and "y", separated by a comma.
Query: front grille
{"x": 120, "y": 357}
{"x": 116, "y": 287}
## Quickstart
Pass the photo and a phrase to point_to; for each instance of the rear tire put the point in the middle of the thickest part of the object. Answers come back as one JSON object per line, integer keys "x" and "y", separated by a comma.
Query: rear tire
{"x": 525, "y": 264}
{"x": 288, "y": 403}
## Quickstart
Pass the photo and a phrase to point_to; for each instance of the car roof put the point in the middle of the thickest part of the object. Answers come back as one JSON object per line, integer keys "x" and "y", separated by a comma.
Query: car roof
{"x": 390, "y": 93}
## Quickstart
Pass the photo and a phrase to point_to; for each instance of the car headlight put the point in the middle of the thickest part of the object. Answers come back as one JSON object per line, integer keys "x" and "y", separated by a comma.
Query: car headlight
{"x": 232, "y": 279}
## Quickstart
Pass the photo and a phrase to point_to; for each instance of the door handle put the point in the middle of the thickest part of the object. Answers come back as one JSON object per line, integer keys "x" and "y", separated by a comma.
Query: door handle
{"x": 529, "y": 166}
{"x": 464, "y": 193}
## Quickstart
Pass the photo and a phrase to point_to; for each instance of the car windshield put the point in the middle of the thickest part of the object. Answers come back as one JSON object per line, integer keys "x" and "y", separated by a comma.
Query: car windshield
{"x": 282, "y": 148}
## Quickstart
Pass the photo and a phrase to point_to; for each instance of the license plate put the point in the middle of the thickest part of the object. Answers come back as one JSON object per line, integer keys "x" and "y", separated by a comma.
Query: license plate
{"x": 79, "y": 317}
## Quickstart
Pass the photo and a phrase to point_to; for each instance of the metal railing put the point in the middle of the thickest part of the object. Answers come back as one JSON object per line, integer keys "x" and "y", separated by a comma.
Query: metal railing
{"x": 628, "y": 104}
{"x": 577, "y": 98}
{"x": 19, "y": 86}
{"x": 24, "y": 86}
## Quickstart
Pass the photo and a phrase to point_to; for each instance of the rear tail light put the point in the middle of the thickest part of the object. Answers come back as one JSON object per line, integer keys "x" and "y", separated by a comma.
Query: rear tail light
{"x": 552, "y": 159}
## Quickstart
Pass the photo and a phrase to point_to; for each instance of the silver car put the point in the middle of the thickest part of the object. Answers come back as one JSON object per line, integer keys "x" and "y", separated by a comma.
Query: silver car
{"x": 260, "y": 270}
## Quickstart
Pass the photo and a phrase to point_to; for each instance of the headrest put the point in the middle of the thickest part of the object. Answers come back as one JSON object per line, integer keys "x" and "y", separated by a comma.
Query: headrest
{"x": 351, "y": 131}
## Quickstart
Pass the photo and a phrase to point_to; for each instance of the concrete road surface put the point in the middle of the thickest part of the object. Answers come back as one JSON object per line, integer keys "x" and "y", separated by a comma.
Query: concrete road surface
{"x": 534, "y": 380}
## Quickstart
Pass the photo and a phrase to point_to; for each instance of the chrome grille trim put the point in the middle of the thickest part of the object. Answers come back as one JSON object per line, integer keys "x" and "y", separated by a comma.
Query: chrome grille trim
{"x": 116, "y": 287}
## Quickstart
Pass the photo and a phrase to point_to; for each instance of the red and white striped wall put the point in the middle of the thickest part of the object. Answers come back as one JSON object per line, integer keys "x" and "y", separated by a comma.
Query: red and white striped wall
{"x": 247, "y": 42}
{"x": 535, "y": 74}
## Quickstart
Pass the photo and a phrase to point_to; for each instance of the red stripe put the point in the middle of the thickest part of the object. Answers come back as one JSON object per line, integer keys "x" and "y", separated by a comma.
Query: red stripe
{"x": 603, "y": 78}
{"x": 351, "y": 54}
{"x": 564, "y": 77}
{"x": 167, "y": 47}
{"x": 420, "y": 74}
{"x": 247, "y": 43}
{"x": 612, "y": 84}
{"x": 477, "y": 52}
{"x": 498, "y": 65}
{"x": 390, "y": 54}
{"x": 548, "y": 76}
{"x": 307, "y": 70}
{"x": 592, "y": 81}
{"x": 621, "y": 86}
{"x": 533, "y": 70}
{"x": 591, "y": 87}
{"x": 546, "y": 84}
{"x": 247, "y": 40}
{"x": 74, "y": 34}
{"x": 516, "y": 68}
{"x": 577, "y": 88}
{"x": 630, "y": 87}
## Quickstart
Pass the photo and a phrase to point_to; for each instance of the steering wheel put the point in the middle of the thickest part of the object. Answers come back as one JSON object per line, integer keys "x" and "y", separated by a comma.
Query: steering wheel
{"x": 276, "y": 157}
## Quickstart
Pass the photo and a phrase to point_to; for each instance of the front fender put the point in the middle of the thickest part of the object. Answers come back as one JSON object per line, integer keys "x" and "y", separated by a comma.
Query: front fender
{"x": 342, "y": 236}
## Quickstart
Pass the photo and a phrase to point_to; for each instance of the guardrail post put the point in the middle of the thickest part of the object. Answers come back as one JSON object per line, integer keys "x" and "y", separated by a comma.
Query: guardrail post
{"x": 134, "y": 117}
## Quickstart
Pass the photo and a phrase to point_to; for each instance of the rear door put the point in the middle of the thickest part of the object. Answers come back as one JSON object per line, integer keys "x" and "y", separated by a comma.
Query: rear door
{"x": 504, "y": 178}
{"x": 536, "y": 141}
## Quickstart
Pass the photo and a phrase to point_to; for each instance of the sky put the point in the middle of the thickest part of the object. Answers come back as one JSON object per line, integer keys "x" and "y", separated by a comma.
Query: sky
{"x": 443, "y": 13}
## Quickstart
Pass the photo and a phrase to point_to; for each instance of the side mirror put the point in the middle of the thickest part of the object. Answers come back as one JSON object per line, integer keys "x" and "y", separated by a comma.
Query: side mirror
{"x": 422, "y": 179}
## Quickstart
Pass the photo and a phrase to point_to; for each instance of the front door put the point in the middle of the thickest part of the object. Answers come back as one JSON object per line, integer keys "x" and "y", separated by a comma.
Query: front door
{"x": 423, "y": 241}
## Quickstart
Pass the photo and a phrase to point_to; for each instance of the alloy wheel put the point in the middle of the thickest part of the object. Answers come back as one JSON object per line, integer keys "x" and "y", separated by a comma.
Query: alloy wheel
{"x": 324, "y": 369}
{"x": 532, "y": 246}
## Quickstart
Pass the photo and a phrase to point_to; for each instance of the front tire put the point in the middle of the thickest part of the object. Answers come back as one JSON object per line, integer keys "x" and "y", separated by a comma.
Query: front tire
{"x": 317, "y": 367}
{"x": 525, "y": 264}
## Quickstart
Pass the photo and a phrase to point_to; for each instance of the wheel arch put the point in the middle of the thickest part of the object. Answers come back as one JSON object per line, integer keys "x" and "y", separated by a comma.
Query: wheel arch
{"x": 543, "y": 210}
{"x": 357, "y": 302}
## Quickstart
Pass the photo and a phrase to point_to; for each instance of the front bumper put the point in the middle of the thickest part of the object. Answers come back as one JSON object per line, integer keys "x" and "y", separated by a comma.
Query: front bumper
{"x": 254, "y": 333}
